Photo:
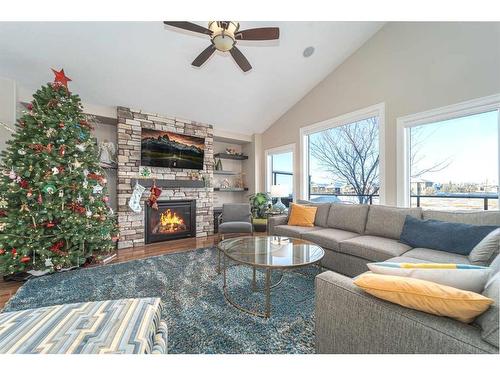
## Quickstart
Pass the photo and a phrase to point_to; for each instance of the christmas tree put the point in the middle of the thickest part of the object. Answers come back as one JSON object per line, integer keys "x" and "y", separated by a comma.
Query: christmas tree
{"x": 54, "y": 211}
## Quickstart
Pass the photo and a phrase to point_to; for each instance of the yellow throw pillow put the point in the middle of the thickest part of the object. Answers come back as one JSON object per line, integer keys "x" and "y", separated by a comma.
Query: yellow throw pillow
{"x": 425, "y": 296}
{"x": 302, "y": 216}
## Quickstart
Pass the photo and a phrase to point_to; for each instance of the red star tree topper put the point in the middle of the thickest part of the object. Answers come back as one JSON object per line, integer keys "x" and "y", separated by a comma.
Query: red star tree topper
{"x": 61, "y": 78}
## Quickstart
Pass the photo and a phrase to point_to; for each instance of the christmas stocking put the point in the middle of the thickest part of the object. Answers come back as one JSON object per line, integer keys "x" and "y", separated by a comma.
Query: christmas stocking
{"x": 135, "y": 200}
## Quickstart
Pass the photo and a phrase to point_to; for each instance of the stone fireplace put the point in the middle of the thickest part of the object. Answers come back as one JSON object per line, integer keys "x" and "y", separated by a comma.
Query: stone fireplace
{"x": 173, "y": 219}
{"x": 176, "y": 184}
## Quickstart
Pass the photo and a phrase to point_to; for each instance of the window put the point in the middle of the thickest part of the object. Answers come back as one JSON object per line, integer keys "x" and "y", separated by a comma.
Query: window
{"x": 452, "y": 157}
{"x": 342, "y": 158}
{"x": 280, "y": 163}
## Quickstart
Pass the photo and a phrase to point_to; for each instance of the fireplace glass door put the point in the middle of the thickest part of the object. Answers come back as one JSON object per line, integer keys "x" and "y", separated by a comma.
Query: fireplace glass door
{"x": 172, "y": 220}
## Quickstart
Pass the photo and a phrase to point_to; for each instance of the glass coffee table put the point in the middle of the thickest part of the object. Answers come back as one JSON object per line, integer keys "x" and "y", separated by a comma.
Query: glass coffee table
{"x": 267, "y": 253}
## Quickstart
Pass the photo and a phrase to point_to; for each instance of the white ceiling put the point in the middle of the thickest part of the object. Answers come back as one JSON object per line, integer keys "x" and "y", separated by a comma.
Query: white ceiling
{"x": 146, "y": 65}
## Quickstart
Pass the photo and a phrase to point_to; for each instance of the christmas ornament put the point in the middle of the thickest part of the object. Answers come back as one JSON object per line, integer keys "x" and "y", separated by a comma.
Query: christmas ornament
{"x": 29, "y": 106}
{"x": 50, "y": 132}
{"x": 77, "y": 164}
{"x": 56, "y": 248}
{"x": 88, "y": 213}
{"x": 21, "y": 151}
{"x": 81, "y": 147}
{"x": 3, "y": 203}
{"x": 79, "y": 199}
{"x": 48, "y": 262}
{"x": 55, "y": 171}
{"x": 97, "y": 189}
{"x": 61, "y": 193}
{"x": 91, "y": 199}
{"x": 23, "y": 184}
{"x": 25, "y": 259}
{"x": 50, "y": 224}
{"x": 61, "y": 125}
{"x": 153, "y": 197}
{"x": 49, "y": 189}
{"x": 2, "y": 251}
{"x": 62, "y": 150}
{"x": 85, "y": 183}
{"x": 12, "y": 174}
{"x": 29, "y": 194}
{"x": 2, "y": 227}
{"x": 61, "y": 78}
{"x": 77, "y": 207}
{"x": 24, "y": 207}
{"x": 105, "y": 199}
{"x": 40, "y": 199}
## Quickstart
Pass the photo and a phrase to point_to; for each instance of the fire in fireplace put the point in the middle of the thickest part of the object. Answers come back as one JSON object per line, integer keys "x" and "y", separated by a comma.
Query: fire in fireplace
{"x": 174, "y": 219}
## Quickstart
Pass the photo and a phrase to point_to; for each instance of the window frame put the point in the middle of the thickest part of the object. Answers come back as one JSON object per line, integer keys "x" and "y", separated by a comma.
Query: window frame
{"x": 376, "y": 110}
{"x": 405, "y": 123}
{"x": 269, "y": 171}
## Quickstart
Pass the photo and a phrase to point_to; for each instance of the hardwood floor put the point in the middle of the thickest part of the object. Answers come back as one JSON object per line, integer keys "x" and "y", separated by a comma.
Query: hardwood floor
{"x": 8, "y": 289}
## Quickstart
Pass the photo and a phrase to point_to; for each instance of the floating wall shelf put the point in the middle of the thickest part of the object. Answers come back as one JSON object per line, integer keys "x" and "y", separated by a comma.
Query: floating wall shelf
{"x": 229, "y": 173}
{"x": 231, "y": 189}
{"x": 223, "y": 155}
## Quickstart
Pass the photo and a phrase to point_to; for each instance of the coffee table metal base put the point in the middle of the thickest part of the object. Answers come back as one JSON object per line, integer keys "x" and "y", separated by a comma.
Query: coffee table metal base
{"x": 267, "y": 290}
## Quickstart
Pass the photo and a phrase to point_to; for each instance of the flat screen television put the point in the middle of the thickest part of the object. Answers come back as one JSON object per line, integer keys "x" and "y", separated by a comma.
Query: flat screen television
{"x": 172, "y": 150}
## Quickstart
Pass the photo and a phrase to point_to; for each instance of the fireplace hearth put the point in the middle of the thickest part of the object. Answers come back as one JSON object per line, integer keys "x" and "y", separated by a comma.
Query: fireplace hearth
{"x": 174, "y": 219}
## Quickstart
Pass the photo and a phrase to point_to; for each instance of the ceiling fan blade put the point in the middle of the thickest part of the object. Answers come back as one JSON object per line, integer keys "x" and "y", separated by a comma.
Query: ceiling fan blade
{"x": 202, "y": 57}
{"x": 240, "y": 59}
{"x": 263, "y": 33}
{"x": 188, "y": 26}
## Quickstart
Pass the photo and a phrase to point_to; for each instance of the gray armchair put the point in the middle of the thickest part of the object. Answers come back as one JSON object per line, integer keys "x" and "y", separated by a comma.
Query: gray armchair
{"x": 235, "y": 218}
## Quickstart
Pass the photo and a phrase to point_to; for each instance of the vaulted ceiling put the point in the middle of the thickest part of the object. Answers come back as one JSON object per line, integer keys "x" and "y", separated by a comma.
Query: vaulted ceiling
{"x": 147, "y": 65}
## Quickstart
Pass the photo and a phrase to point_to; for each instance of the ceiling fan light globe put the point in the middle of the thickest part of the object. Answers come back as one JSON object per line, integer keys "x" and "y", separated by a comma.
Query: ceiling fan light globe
{"x": 223, "y": 42}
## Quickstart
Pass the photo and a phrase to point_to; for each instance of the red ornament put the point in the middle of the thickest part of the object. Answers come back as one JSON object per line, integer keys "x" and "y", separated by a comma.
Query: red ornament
{"x": 105, "y": 199}
{"x": 13, "y": 251}
{"x": 50, "y": 224}
{"x": 29, "y": 106}
{"x": 61, "y": 125}
{"x": 23, "y": 184}
{"x": 95, "y": 176}
{"x": 61, "y": 78}
{"x": 2, "y": 251}
{"x": 62, "y": 150}
{"x": 25, "y": 259}
{"x": 29, "y": 194}
{"x": 56, "y": 248}
{"x": 77, "y": 207}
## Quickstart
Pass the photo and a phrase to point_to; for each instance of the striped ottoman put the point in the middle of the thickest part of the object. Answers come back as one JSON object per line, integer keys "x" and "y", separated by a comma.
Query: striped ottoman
{"x": 131, "y": 326}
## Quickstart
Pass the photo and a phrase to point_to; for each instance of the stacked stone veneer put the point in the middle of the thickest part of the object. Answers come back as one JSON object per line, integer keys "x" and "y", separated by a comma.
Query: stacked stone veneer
{"x": 130, "y": 124}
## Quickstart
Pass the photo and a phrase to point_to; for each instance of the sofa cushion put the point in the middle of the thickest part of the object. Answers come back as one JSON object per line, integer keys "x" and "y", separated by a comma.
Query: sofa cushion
{"x": 235, "y": 227}
{"x": 373, "y": 248}
{"x": 292, "y": 231}
{"x": 464, "y": 217}
{"x": 436, "y": 256}
{"x": 321, "y": 214}
{"x": 350, "y": 217}
{"x": 388, "y": 221}
{"x": 329, "y": 238}
{"x": 488, "y": 321}
{"x": 443, "y": 235}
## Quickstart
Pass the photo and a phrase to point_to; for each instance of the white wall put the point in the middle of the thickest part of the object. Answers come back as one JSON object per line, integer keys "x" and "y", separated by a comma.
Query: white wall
{"x": 7, "y": 108}
{"x": 411, "y": 67}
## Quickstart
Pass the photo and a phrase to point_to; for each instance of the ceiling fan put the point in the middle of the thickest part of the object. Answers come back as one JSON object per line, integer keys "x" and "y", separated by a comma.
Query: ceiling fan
{"x": 223, "y": 35}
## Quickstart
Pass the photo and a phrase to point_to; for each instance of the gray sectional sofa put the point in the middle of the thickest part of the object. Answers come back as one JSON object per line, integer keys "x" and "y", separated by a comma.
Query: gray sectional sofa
{"x": 351, "y": 321}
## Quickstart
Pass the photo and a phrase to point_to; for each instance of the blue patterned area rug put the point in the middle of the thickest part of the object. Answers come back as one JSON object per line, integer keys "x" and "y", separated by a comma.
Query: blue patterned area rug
{"x": 199, "y": 318}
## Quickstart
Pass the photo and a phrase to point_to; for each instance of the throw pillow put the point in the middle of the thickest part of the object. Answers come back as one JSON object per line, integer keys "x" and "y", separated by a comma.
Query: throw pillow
{"x": 302, "y": 216}
{"x": 484, "y": 252}
{"x": 442, "y": 235}
{"x": 425, "y": 296}
{"x": 460, "y": 276}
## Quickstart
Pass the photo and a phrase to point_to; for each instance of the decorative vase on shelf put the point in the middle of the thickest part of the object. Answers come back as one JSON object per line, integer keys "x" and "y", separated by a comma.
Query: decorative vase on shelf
{"x": 218, "y": 165}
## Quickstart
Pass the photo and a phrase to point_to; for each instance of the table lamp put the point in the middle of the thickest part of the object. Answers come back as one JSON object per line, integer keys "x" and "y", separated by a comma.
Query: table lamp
{"x": 278, "y": 191}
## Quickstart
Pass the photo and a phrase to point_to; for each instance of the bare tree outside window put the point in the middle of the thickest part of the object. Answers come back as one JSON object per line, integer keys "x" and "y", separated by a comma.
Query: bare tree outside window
{"x": 351, "y": 154}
